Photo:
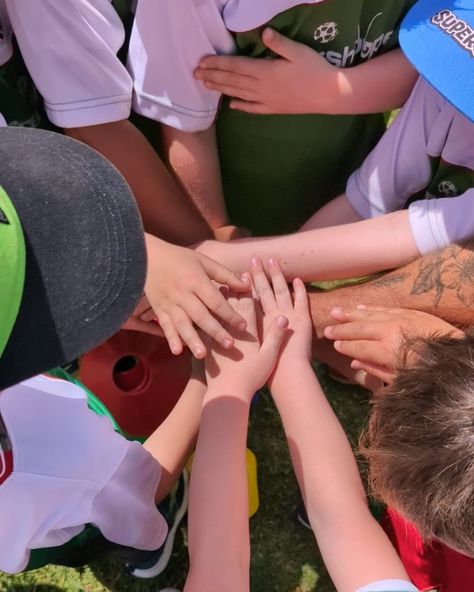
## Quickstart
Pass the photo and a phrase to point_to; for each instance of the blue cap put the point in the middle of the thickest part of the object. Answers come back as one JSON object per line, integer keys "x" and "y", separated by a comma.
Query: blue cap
{"x": 437, "y": 36}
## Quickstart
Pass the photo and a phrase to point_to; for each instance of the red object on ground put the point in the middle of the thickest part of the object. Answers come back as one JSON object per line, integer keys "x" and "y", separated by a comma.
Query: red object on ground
{"x": 431, "y": 566}
{"x": 137, "y": 378}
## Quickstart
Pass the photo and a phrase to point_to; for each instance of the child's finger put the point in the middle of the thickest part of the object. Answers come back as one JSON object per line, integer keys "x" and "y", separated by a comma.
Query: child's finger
{"x": 171, "y": 334}
{"x": 354, "y": 330}
{"x": 223, "y": 275}
{"x": 369, "y": 351}
{"x": 262, "y": 287}
{"x": 203, "y": 319}
{"x": 280, "y": 285}
{"x": 359, "y": 314}
{"x": 300, "y": 296}
{"x": 246, "y": 307}
{"x": 220, "y": 307}
{"x": 272, "y": 343}
{"x": 187, "y": 332}
{"x": 381, "y": 372}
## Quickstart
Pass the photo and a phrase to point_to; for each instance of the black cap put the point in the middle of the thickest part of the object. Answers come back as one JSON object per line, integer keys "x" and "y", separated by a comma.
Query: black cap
{"x": 85, "y": 252}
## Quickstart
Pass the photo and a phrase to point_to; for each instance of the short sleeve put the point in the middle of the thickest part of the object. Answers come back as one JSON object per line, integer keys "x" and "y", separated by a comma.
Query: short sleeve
{"x": 389, "y": 586}
{"x": 399, "y": 166}
{"x": 70, "y": 49}
{"x": 166, "y": 45}
{"x": 436, "y": 223}
{"x": 70, "y": 468}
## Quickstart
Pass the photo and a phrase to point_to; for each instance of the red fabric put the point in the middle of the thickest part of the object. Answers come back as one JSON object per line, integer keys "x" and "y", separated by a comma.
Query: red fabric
{"x": 430, "y": 566}
{"x": 6, "y": 464}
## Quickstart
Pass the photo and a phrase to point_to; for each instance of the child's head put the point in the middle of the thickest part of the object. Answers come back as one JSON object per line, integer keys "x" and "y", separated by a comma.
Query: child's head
{"x": 72, "y": 254}
{"x": 420, "y": 442}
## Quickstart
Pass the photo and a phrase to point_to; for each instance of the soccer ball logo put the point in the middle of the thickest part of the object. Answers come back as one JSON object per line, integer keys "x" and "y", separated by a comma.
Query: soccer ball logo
{"x": 326, "y": 32}
{"x": 447, "y": 188}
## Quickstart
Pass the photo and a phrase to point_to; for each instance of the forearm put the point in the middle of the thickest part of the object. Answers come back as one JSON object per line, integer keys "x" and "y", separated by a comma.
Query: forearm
{"x": 167, "y": 212}
{"x": 380, "y": 84}
{"x": 354, "y": 547}
{"x": 218, "y": 505}
{"x": 173, "y": 441}
{"x": 438, "y": 284}
{"x": 350, "y": 250}
{"x": 194, "y": 160}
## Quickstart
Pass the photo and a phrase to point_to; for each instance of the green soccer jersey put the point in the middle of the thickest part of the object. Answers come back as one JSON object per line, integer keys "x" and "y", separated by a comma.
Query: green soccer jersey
{"x": 279, "y": 169}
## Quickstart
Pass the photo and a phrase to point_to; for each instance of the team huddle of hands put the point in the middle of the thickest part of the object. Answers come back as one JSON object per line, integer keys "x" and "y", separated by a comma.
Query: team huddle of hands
{"x": 184, "y": 300}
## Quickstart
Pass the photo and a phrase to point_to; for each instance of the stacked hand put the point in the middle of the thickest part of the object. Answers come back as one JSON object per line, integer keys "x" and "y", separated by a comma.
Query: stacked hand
{"x": 256, "y": 356}
{"x": 374, "y": 336}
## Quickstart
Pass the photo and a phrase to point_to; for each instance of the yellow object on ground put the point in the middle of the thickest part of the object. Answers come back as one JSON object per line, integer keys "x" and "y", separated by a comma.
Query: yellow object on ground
{"x": 254, "y": 500}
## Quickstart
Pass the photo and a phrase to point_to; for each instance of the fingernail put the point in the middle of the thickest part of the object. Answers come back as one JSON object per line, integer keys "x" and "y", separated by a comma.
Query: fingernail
{"x": 328, "y": 331}
{"x": 255, "y": 262}
{"x": 282, "y": 322}
{"x": 245, "y": 278}
{"x": 227, "y": 343}
{"x": 271, "y": 262}
{"x": 198, "y": 352}
{"x": 242, "y": 326}
{"x": 337, "y": 344}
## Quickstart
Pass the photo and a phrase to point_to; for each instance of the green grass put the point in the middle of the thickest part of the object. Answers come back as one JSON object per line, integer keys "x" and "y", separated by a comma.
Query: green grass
{"x": 284, "y": 555}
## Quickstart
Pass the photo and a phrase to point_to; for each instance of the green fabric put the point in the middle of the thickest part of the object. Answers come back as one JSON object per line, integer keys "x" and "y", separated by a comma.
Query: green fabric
{"x": 279, "y": 169}
{"x": 12, "y": 267}
{"x": 87, "y": 544}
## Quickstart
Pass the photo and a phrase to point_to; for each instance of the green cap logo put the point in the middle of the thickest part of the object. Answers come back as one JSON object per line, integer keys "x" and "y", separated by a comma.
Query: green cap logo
{"x": 12, "y": 267}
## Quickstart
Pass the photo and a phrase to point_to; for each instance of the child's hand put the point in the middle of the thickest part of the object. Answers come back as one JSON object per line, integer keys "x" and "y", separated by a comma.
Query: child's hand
{"x": 181, "y": 292}
{"x": 136, "y": 323}
{"x": 246, "y": 368}
{"x": 373, "y": 336}
{"x": 255, "y": 84}
{"x": 277, "y": 301}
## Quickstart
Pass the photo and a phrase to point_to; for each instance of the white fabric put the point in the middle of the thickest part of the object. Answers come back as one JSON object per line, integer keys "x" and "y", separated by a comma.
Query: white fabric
{"x": 399, "y": 167}
{"x": 70, "y": 47}
{"x": 70, "y": 468}
{"x": 167, "y": 43}
{"x": 389, "y": 586}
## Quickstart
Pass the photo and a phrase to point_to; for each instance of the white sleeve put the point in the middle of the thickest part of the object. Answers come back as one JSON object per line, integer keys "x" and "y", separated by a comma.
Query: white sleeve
{"x": 438, "y": 222}
{"x": 389, "y": 586}
{"x": 399, "y": 166}
{"x": 167, "y": 42}
{"x": 70, "y": 49}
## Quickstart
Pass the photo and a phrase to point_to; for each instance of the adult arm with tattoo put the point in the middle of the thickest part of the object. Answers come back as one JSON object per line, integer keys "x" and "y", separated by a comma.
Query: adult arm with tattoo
{"x": 441, "y": 284}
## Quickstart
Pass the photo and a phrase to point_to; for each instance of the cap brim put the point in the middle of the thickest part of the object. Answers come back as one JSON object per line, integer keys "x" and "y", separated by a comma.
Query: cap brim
{"x": 85, "y": 252}
{"x": 441, "y": 57}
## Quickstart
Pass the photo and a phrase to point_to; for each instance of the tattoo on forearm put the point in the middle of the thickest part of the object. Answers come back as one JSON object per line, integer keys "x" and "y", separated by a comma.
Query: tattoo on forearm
{"x": 450, "y": 269}
{"x": 387, "y": 281}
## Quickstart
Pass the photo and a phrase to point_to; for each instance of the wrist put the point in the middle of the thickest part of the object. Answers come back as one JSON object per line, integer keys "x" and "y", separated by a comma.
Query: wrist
{"x": 225, "y": 390}
{"x": 289, "y": 370}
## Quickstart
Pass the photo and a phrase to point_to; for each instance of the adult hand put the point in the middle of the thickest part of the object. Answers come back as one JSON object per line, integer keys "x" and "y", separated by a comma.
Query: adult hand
{"x": 181, "y": 291}
{"x": 374, "y": 336}
{"x": 298, "y": 81}
{"x": 244, "y": 369}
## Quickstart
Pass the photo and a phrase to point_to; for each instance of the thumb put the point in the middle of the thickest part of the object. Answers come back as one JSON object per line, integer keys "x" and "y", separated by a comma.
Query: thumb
{"x": 282, "y": 46}
{"x": 272, "y": 343}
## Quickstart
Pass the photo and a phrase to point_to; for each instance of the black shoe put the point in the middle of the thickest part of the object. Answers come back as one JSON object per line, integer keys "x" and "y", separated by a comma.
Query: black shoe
{"x": 173, "y": 509}
{"x": 302, "y": 516}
